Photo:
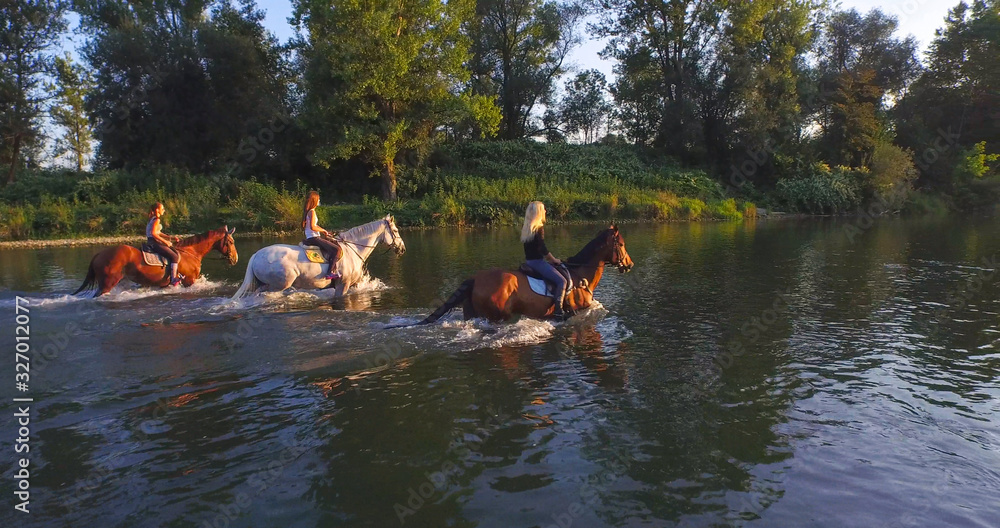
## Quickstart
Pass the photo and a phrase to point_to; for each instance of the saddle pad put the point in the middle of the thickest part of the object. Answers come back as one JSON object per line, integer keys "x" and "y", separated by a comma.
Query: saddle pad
{"x": 313, "y": 253}
{"x": 151, "y": 258}
{"x": 540, "y": 287}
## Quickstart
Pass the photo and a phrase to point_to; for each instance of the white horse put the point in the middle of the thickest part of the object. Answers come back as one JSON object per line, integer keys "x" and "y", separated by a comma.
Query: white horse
{"x": 282, "y": 266}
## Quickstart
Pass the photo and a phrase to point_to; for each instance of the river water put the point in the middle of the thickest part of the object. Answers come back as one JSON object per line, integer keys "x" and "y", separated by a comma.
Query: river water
{"x": 782, "y": 373}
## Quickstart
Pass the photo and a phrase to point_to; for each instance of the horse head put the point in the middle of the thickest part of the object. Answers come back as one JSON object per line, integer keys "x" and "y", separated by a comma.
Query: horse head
{"x": 391, "y": 236}
{"x": 616, "y": 255}
{"x": 226, "y": 245}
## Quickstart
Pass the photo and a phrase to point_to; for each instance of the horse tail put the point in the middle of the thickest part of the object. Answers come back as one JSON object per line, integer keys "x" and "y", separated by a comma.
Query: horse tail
{"x": 90, "y": 282}
{"x": 456, "y": 298}
{"x": 250, "y": 282}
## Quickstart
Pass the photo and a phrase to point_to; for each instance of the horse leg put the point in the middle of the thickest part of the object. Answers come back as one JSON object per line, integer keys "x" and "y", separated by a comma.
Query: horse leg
{"x": 468, "y": 309}
{"x": 342, "y": 288}
{"x": 110, "y": 271}
{"x": 108, "y": 281}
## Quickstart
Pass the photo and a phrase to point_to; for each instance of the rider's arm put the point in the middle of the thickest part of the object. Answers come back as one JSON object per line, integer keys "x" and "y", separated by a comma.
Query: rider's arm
{"x": 164, "y": 238}
{"x": 315, "y": 227}
{"x": 551, "y": 259}
{"x": 158, "y": 233}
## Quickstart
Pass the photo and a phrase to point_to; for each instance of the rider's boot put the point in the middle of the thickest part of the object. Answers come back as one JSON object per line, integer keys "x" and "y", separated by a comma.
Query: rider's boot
{"x": 175, "y": 278}
{"x": 558, "y": 313}
{"x": 332, "y": 275}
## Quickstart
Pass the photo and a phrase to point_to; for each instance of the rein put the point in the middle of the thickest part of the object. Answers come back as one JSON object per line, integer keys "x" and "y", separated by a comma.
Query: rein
{"x": 388, "y": 228}
{"x": 351, "y": 244}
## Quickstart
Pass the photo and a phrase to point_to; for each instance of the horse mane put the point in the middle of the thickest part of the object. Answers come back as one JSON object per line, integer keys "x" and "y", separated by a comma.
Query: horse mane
{"x": 588, "y": 251}
{"x": 361, "y": 231}
{"x": 195, "y": 239}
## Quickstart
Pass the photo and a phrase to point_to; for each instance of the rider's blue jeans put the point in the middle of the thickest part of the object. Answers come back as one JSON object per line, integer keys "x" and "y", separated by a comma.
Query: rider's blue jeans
{"x": 549, "y": 273}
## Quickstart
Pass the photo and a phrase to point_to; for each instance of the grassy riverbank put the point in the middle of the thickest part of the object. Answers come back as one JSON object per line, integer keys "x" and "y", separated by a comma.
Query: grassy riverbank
{"x": 478, "y": 184}
{"x": 474, "y": 183}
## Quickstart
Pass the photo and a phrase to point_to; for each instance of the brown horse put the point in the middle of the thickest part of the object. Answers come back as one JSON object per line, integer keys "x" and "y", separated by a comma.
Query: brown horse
{"x": 109, "y": 266}
{"x": 498, "y": 294}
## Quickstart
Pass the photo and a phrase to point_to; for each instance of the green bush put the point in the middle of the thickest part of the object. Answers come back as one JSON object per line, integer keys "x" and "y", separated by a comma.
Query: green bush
{"x": 16, "y": 221}
{"x": 824, "y": 191}
{"x": 921, "y": 203}
{"x": 261, "y": 206}
{"x": 726, "y": 210}
{"x": 54, "y": 216}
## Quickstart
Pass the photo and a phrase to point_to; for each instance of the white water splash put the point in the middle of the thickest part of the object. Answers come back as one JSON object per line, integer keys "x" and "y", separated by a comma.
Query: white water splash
{"x": 125, "y": 291}
{"x": 367, "y": 285}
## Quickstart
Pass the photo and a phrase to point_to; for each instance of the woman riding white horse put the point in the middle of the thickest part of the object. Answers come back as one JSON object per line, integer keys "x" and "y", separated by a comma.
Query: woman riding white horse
{"x": 281, "y": 266}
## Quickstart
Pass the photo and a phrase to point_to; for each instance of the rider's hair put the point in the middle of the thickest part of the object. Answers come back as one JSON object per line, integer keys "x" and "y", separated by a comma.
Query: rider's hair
{"x": 312, "y": 200}
{"x": 534, "y": 218}
{"x": 152, "y": 210}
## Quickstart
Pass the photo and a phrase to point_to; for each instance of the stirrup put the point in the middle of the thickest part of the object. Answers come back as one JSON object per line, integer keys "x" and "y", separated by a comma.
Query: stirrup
{"x": 175, "y": 281}
{"x": 333, "y": 277}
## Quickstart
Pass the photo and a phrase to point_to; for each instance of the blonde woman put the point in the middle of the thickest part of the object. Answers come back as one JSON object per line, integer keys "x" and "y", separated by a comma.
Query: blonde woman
{"x": 538, "y": 256}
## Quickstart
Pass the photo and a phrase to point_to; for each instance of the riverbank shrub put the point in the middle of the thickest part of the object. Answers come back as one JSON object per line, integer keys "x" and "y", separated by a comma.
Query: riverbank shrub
{"x": 822, "y": 191}
{"x": 465, "y": 184}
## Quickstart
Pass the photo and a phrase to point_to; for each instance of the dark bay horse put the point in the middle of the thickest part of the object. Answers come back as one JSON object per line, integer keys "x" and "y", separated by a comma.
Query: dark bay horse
{"x": 110, "y": 265}
{"x": 498, "y": 294}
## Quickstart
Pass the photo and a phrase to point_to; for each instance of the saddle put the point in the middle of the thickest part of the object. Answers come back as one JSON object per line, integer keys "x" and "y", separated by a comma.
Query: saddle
{"x": 151, "y": 257}
{"x": 313, "y": 253}
{"x": 537, "y": 283}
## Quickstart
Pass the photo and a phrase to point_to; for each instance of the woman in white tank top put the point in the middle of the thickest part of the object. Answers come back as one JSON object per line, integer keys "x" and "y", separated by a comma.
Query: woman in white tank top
{"x": 162, "y": 242}
{"x": 315, "y": 235}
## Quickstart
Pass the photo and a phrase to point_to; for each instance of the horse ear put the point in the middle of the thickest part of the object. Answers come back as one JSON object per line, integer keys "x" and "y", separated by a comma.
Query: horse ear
{"x": 614, "y": 228}
{"x": 232, "y": 231}
{"x": 225, "y": 228}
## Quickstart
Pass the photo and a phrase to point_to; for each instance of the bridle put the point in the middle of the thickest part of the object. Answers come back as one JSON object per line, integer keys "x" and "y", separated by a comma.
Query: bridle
{"x": 388, "y": 227}
{"x": 225, "y": 243}
{"x": 619, "y": 254}
{"x": 617, "y": 258}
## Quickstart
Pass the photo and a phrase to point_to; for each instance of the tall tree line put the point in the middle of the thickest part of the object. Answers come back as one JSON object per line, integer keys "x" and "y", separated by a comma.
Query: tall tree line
{"x": 753, "y": 90}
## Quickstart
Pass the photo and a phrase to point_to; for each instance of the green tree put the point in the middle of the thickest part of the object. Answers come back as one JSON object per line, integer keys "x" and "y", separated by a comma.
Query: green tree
{"x": 183, "y": 82}
{"x": 862, "y": 65}
{"x": 584, "y": 107}
{"x": 710, "y": 81}
{"x": 383, "y": 78}
{"x": 975, "y": 162}
{"x": 954, "y": 104}
{"x": 29, "y": 29}
{"x": 73, "y": 82}
{"x": 662, "y": 49}
{"x": 750, "y": 102}
{"x": 519, "y": 48}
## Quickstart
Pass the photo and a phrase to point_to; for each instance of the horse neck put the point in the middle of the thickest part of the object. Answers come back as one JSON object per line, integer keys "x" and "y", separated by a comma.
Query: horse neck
{"x": 201, "y": 248}
{"x": 593, "y": 270}
{"x": 367, "y": 243}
